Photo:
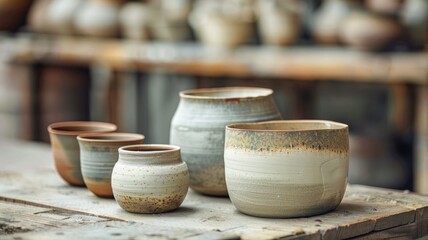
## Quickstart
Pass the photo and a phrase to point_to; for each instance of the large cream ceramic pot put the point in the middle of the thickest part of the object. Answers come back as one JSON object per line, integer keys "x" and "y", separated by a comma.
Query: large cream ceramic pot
{"x": 286, "y": 168}
{"x": 198, "y": 128}
{"x": 149, "y": 178}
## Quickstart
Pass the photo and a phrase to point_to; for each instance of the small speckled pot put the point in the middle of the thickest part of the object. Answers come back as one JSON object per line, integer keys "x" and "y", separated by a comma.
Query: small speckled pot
{"x": 286, "y": 168}
{"x": 150, "y": 178}
{"x": 98, "y": 154}
{"x": 65, "y": 147}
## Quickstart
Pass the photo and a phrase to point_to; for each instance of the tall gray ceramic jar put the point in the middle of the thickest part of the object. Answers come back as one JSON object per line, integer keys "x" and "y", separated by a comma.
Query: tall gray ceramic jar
{"x": 198, "y": 127}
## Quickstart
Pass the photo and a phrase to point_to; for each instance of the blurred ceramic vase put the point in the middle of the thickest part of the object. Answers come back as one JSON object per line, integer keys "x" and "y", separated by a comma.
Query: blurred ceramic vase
{"x": 384, "y": 6}
{"x": 98, "y": 154}
{"x": 150, "y": 178}
{"x": 13, "y": 13}
{"x": 135, "y": 20}
{"x": 98, "y": 18}
{"x": 368, "y": 31}
{"x": 198, "y": 128}
{"x": 37, "y": 19}
{"x": 414, "y": 17}
{"x": 60, "y": 14}
{"x": 328, "y": 20}
{"x": 222, "y": 23}
{"x": 279, "y": 24}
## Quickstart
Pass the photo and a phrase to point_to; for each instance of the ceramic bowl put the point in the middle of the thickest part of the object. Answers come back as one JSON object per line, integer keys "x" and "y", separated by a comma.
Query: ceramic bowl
{"x": 98, "y": 154}
{"x": 65, "y": 147}
{"x": 150, "y": 178}
{"x": 286, "y": 168}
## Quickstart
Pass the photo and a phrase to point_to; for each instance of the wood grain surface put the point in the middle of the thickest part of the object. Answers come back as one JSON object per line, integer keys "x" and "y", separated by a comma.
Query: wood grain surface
{"x": 46, "y": 207}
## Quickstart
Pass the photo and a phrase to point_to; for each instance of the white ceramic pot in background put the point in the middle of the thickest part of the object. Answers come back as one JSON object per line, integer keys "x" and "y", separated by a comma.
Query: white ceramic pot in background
{"x": 135, "y": 20}
{"x": 198, "y": 128}
{"x": 328, "y": 19}
{"x": 150, "y": 178}
{"x": 98, "y": 18}
{"x": 286, "y": 168}
{"x": 279, "y": 23}
{"x": 60, "y": 14}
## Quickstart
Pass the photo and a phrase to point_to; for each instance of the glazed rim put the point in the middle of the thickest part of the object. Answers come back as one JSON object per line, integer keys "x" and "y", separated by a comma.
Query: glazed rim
{"x": 288, "y": 126}
{"x": 110, "y": 137}
{"x": 79, "y": 127}
{"x": 226, "y": 93}
{"x": 148, "y": 148}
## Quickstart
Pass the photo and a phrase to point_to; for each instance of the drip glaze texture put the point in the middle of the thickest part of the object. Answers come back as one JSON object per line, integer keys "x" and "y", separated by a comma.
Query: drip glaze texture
{"x": 286, "y": 168}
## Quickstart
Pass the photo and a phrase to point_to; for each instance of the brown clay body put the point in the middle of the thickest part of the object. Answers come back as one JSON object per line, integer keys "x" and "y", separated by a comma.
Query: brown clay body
{"x": 65, "y": 147}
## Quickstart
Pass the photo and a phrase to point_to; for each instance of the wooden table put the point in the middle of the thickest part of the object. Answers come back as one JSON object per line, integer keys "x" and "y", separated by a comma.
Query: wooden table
{"x": 35, "y": 203}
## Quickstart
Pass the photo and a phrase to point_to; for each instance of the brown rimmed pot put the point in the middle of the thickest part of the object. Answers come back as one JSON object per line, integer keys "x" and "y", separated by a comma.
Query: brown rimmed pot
{"x": 98, "y": 154}
{"x": 65, "y": 147}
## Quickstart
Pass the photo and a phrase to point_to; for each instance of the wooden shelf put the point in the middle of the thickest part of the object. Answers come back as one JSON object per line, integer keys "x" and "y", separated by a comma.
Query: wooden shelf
{"x": 299, "y": 63}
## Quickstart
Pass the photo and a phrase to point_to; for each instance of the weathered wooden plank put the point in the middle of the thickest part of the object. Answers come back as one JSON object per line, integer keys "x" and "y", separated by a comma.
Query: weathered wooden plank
{"x": 31, "y": 177}
{"x": 19, "y": 217}
{"x": 122, "y": 230}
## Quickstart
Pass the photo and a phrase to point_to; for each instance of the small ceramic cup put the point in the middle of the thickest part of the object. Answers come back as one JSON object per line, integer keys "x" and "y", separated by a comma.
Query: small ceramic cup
{"x": 65, "y": 147}
{"x": 98, "y": 154}
{"x": 286, "y": 168}
{"x": 150, "y": 178}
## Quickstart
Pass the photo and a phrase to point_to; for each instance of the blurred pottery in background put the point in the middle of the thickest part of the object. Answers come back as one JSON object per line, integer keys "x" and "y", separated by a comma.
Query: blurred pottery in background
{"x": 198, "y": 128}
{"x": 384, "y": 6}
{"x": 60, "y": 14}
{"x": 414, "y": 17}
{"x": 150, "y": 178}
{"x": 13, "y": 13}
{"x": 369, "y": 32}
{"x": 279, "y": 23}
{"x": 286, "y": 168}
{"x": 98, "y": 154}
{"x": 65, "y": 147}
{"x": 328, "y": 20}
{"x": 135, "y": 20}
{"x": 98, "y": 18}
{"x": 37, "y": 17}
{"x": 223, "y": 23}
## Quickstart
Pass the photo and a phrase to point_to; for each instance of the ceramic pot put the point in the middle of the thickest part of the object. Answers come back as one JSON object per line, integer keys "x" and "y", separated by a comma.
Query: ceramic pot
{"x": 65, "y": 147}
{"x": 286, "y": 168}
{"x": 98, "y": 18}
{"x": 414, "y": 17}
{"x": 60, "y": 15}
{"x": 328, "y": 20}
{"x": 13, "y": 13}
{"x": 150, "y": 178}
{"x": 98, "y": 154}
{"x": 384, "y": 6}
{"x": 279, "y": 24}
{"x": 198, "y": 128}
{"x": 135, "y": 19}
{"x": 37, "y": 19}
{"x": 369, "y": 32}
{"x": 215, "y": 26}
